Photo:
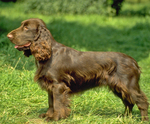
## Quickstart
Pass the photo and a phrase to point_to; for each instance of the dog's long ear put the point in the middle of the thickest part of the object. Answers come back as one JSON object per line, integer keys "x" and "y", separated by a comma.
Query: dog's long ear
{"x": 41, "y": 46}
{"x": 40, "y": 25}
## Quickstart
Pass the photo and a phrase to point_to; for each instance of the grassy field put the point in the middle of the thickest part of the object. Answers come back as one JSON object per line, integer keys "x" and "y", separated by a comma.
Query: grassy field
{"x": 21, "y": 99}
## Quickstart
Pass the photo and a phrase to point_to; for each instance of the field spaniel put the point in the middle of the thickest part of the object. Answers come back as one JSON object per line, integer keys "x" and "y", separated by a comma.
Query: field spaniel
{"x": 62, "y": 70}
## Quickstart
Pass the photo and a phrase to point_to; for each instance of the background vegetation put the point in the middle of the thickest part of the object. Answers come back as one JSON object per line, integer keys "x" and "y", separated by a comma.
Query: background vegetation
{"x": 105, "y": 7}
{"x": 21, "y": 100}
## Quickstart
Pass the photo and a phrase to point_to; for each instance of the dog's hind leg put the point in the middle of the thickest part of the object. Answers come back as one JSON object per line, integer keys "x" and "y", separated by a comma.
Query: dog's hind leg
{"x": 141, "y": 102}
{"x": 138, "y": 97}
{"x": 129, "y": 91}
{"x": 119, "y": 88}
{"x": 128, "y": 106}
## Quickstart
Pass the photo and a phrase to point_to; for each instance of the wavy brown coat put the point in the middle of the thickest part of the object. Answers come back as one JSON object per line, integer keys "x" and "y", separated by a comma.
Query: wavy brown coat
{"x": 62, "y": 70}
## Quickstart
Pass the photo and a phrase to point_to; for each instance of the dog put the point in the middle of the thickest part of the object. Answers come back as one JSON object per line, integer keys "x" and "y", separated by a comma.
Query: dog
{"x": 62, "y": 70}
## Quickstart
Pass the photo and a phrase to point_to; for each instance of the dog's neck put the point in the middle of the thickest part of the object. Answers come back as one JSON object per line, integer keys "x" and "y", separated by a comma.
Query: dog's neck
{"x": 56, "y": 46}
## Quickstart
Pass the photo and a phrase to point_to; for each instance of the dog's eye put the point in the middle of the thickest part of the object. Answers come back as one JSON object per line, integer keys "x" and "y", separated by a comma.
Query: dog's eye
{"x": 25, "y": 28}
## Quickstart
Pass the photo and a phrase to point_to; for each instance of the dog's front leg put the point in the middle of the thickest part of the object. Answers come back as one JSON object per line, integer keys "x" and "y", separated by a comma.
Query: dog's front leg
{"x": 50, "y": 111}
{"x": 60, "y": 101}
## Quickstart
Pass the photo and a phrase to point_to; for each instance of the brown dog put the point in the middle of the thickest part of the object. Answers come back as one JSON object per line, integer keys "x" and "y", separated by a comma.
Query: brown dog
{"x": 62, "y": 70}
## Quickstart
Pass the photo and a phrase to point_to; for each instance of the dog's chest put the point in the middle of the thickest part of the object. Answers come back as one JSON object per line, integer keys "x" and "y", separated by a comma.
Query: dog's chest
{"x": 44, "y": 76}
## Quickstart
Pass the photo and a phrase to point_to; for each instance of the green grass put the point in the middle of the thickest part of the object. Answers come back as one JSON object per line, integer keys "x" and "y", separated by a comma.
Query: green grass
{"x": 21, "y": 100}
{"x": 132, "y": 8}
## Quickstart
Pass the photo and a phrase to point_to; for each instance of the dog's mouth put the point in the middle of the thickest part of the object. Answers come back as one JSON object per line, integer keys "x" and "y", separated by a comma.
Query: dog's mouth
{"x": 23, "y": 47}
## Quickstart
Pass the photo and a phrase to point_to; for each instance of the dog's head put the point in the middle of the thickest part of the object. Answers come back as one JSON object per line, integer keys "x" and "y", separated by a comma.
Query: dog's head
{"x": 33, "y": 38}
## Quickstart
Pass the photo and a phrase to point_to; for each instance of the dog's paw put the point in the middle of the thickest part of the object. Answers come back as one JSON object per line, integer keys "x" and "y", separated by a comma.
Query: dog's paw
{"x": 48, "y": 119}
{"x": 42, "y": 115}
